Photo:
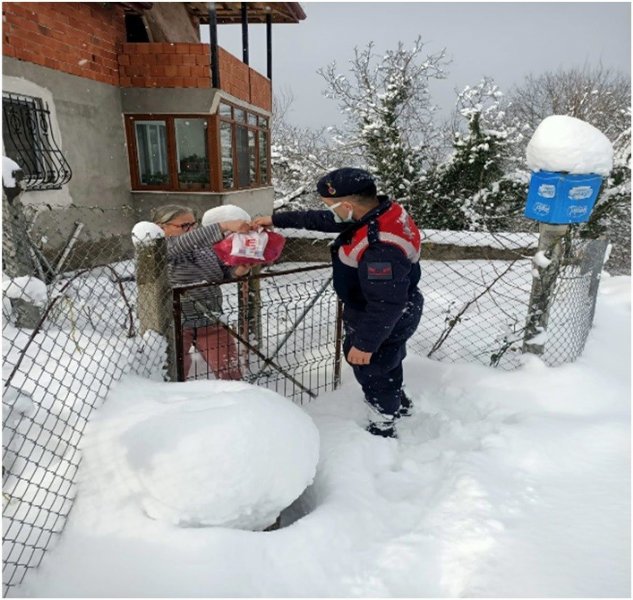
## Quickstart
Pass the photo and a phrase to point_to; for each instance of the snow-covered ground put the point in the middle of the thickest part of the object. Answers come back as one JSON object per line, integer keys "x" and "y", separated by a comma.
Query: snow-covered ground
{"x": 501, "y": 484}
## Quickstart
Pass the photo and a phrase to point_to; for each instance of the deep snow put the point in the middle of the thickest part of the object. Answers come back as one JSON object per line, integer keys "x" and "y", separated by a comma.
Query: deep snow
{"x": 501, "y": 484}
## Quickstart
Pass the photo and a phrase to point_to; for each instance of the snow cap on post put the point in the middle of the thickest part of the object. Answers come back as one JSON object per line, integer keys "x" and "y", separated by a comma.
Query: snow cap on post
{"x": 145, "y": 232}
{"x": 566, "y": 144}
{"x": 347, "y": 181}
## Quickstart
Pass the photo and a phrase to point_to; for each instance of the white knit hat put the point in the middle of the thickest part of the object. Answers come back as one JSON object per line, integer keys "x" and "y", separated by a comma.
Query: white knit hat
{"x": 228, "y": 212}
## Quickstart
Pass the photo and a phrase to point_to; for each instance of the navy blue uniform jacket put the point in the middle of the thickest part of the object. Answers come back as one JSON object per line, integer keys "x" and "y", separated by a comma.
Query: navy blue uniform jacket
{"x": 376, "y": 305}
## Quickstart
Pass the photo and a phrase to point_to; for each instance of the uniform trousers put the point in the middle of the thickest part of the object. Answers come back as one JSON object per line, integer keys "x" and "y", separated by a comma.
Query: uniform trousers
{"x": 381, "y": 379}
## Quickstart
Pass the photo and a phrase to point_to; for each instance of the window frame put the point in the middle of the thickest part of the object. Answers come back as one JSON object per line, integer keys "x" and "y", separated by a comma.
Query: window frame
{"x": 214, "y": 149}
{"x": 255, "y": 128}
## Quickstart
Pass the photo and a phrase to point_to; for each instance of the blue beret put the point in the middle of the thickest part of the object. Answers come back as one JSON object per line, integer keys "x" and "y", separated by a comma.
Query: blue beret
{"x": 346, "y": 182}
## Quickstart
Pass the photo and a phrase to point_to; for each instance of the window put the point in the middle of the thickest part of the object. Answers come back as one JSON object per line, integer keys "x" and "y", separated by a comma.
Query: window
{"x": 151, "y": 146}
{"x": 28, "y": 140}
{"x": 169, "y": 153}
{"x": 173, "y": 153}
{"x": 244, "y": 148}
{"x": 192, "y": 154}
{"x": 226, "y": 143}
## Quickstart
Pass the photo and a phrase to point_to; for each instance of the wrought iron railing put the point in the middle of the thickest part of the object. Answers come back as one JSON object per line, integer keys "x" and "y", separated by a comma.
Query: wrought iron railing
{"x": 28, "y": 140}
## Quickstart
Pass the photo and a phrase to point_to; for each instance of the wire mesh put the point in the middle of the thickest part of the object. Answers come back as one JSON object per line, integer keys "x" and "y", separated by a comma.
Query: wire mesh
{"x": 72, "y": 327}
{"x": 68, "y": 336}
{"x": 279, "y": 328}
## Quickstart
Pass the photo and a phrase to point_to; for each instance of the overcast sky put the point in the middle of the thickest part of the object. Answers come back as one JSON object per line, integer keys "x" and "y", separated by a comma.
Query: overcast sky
{"x": 505, "y": 41}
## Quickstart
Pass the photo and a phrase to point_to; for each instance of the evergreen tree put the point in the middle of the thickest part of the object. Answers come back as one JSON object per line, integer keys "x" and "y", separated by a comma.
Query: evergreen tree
{"x": 480, "y": 186}
{"x": 390, "y": 126}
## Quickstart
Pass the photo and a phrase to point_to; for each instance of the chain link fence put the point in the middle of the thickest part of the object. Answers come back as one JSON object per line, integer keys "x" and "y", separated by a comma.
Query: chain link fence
{"x": 73, "y": 327}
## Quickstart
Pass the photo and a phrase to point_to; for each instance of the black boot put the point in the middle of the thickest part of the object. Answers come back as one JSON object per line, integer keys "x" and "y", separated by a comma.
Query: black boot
{"x": 406, "y": 405}
{"x": 382, "y": 428}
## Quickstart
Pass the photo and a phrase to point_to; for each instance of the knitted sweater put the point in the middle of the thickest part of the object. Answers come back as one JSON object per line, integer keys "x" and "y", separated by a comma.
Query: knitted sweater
{"x": 192, "y": 260}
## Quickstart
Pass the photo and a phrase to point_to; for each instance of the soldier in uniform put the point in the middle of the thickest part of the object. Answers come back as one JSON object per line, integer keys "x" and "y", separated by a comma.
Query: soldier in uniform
{"x": 376, "y": 272}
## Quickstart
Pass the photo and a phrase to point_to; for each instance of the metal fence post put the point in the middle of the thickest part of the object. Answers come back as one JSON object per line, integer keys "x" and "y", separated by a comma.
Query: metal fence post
{"x": 593, "y": 261}
{"x": 155, "y": 296}
{"x": 543, "y": 287}
{"x": 18, "y": 260}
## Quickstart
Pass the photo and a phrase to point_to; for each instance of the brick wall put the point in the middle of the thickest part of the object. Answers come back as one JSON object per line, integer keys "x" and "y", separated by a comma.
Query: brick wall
{"x": 233, "y": 75}
{"x": 165, "y": 65}
{"x": 88, "y": 40}
{"x": 261, "y": 91}
{"x": 239, "y": 80}
{"x": 74, "y": 37}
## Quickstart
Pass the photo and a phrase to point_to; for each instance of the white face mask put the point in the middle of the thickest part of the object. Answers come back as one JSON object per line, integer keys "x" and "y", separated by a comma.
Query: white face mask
{"x": 337, "y": 219}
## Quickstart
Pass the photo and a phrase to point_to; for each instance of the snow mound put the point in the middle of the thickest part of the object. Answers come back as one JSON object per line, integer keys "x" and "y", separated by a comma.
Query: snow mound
{"x": 9, "y": 167}
{"x": 228, "y": 212}
{"x": 562, "y": 143}
{"x": 145, "y": 231}
{"x": 211, "y": 453}
{"x": 28, "y": 288}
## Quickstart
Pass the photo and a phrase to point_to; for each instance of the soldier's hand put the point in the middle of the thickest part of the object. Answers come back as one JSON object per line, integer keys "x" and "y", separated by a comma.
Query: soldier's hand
{"x": 266, "y": 221}
{"x": 358, "y": 357}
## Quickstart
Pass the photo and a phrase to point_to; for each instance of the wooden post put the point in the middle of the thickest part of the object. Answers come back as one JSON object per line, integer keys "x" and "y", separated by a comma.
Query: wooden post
{"x": 250, "y": 317}
{"x": 17, "y": 253}
{"x": 543, "y": 287}
{"x": 155, "y": 296}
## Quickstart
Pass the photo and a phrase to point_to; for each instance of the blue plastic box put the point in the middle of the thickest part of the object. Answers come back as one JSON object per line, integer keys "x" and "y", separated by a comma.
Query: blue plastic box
{"x": 561, "y": 198}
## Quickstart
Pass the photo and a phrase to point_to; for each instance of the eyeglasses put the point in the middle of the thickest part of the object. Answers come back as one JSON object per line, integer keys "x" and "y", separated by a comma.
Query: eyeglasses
{"x": 184, "y": 226}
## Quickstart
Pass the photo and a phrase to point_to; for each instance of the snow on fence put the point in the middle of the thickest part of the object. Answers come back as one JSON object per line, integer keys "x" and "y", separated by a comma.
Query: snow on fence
{"x": 71, "y": 330}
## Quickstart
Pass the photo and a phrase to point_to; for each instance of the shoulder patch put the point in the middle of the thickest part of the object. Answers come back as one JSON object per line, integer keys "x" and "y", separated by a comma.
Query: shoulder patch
{"x": 379, "y": 270}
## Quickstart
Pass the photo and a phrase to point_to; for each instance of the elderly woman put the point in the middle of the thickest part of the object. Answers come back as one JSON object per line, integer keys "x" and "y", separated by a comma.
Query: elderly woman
{"x": 192, "y": 260}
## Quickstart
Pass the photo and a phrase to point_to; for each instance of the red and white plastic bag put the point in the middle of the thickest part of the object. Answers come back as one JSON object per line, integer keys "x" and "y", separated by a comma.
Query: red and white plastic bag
{"x": 254, "y": 247}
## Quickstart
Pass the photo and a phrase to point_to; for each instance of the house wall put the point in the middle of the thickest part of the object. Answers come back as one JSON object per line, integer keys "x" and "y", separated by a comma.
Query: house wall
{"x": 77, "y": 38}
{"x": 239, "y": 80}
{"x": 88, "y": 127}
{"x": 165, "y": 65}
{"x": 182, "y": 65}
{"x": 254, "y": 202}
{"x": 73, "y": 56}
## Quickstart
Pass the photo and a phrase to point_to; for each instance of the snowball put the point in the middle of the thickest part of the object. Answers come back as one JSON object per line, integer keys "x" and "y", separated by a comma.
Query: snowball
{"x": 228, "y": 212}
{"x": 8, "y": 168}
{"x": 30, "y": 289}
{"x": 562, "y": 143}
{"x": 144, "y": 232}
{"x": 210, "y": 453}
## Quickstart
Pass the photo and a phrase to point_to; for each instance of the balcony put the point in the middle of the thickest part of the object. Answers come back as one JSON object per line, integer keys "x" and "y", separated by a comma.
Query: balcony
{"x": 187, "y": 65}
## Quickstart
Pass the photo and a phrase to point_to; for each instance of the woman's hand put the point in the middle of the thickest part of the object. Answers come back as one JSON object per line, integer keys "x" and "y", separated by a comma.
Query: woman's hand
{"x": 241, "y": 270}
{"x": 258, "y": 222}
{"x": 236, "y": 226}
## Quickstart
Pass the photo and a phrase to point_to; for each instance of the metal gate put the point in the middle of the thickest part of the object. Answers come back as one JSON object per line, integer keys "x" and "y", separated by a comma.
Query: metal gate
{"x": 282, "y": 330}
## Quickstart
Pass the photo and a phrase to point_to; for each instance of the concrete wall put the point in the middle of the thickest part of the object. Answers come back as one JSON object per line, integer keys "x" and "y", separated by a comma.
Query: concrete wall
{"x": 87, "y": 125}
{"x": 255, "y": 202}
{"x": 168, "y": 101}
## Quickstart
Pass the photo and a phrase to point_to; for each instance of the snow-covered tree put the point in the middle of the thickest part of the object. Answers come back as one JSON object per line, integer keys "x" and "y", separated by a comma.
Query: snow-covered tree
{"x": 481, "y": 185}
{"x": 299, "y": 157}
{"x": 611, "y": 217}
{"x": 596, "y": 95}
{"x": 390, "y": 121}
